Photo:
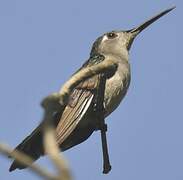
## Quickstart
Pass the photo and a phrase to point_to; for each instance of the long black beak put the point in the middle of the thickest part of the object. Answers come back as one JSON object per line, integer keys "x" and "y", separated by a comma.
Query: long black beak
{"x": 140, "y": 28}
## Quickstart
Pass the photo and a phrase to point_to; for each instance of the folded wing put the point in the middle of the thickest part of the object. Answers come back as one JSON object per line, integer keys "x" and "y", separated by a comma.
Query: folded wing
{"x": 80, "y": 101}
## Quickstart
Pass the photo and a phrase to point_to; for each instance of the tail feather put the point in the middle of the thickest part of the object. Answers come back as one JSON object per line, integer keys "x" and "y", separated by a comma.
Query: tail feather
{"x": 31, "y": 146}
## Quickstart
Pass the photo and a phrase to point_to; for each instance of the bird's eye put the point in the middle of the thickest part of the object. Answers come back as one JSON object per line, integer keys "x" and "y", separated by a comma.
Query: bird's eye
{"x": 111, "y": 35}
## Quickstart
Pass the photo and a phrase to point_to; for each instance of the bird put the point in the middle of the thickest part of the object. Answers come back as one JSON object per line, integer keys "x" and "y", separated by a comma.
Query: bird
{"x": 79, "y": 119}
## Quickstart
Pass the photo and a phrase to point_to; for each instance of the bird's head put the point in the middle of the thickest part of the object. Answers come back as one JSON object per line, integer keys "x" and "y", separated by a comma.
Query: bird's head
{"x": 119, "y": 42}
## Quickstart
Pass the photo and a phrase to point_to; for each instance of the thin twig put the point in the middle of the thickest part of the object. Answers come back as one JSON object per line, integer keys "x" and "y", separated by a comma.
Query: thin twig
{"x": 51, "y": 105}
{"x": 50, "y": 142}
{"x": 57, "y": 158}
{"x": 106, "y": 164}
{"x": 26, "y": 160}
{"x": 101, "y": 123}
{"x": 56, "y": 103}
{"x": 105, "y": 66}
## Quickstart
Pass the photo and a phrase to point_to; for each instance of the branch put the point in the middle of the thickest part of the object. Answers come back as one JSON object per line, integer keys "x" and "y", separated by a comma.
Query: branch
{"x": 51, "y": 148}
{"x": 24, "y": 159}
{"x": 56, "y": 103}
{"x": 106, "y": 66}
{"x": 100, "y": 110}
{"x": 51, "y": 105}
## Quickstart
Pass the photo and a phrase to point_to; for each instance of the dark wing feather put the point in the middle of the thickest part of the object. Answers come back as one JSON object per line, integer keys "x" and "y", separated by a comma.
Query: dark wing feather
{"x": 80, "y": 100}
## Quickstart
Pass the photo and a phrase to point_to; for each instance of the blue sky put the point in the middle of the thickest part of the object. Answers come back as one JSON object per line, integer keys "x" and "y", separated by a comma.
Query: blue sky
{"x": 43, "y": 42}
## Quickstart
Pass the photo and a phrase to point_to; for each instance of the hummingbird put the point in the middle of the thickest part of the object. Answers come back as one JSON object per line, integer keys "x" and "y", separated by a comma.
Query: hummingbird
{"x": 79, "y": 119}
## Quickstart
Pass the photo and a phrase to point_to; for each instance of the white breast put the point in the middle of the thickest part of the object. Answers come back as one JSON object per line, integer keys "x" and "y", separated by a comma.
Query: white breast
{"x": 116, "y": 88}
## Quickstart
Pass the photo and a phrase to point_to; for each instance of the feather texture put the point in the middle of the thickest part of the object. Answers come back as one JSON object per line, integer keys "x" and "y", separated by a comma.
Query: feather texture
{"x": 79, "y": 103}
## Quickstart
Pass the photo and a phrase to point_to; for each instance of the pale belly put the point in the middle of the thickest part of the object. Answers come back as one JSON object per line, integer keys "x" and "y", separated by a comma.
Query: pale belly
{"x": 116, "y": 89}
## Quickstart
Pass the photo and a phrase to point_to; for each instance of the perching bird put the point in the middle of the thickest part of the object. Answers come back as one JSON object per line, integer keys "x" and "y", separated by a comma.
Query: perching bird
{"x": 79, "y": 119}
